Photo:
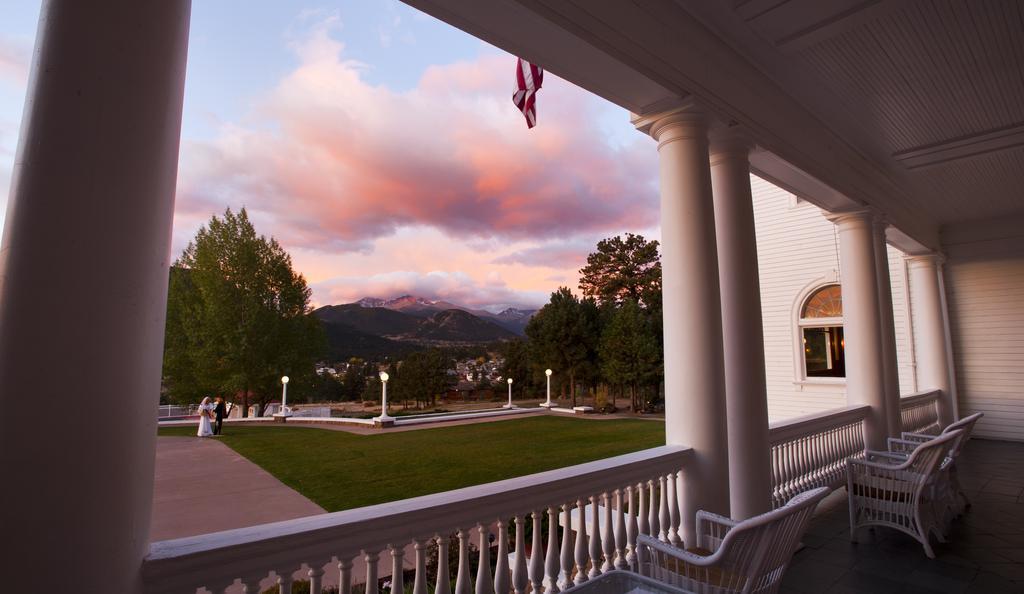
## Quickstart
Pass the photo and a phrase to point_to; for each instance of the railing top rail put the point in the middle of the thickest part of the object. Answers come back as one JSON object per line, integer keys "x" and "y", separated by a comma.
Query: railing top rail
{"x": 919, "y": 398}
{"x": 788, "y": 429}
{"x": 255, "y": 550}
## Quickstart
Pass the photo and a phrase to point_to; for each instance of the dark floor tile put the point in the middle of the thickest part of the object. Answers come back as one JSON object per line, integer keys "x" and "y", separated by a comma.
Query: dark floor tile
{"x": 990, "y": 583}
{"x": 810, "y": 578}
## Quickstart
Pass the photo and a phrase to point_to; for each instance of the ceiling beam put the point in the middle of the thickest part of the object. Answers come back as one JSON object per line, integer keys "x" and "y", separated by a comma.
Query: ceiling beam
{"x": 972, "y": 145}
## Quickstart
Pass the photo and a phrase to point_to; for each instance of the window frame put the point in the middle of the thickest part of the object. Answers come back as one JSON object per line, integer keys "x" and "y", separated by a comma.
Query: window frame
{"x": 800, "y": 323}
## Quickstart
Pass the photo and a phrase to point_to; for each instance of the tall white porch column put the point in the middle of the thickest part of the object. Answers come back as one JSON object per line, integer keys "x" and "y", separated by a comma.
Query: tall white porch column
{"x": 83, "y": 292}
{"x": 933, "y": 371}
{"x": 695, "y": 412}
{"x": 746, "y": 395}
{"x": 862, "y": 322}
{"x": 889, "y": 363}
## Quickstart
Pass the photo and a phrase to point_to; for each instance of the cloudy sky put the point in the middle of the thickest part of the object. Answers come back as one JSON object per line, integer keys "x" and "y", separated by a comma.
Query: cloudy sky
{"x": 382, "y": 149}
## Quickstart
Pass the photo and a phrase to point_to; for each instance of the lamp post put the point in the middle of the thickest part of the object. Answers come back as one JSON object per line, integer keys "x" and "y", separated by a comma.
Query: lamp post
{"x": 284, "y": 412}
{"x": 548, "y": 404}
{"x": 384, "y": 419}
{"x": 509, "y": 405}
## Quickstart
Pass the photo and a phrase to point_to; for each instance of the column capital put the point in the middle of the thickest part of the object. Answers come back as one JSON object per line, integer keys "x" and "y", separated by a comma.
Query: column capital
{"x": 686, "y": 121}
{"x": 863, "y": 216}
{"x": 927, "y": 259}
{"x": 729, "y": 142}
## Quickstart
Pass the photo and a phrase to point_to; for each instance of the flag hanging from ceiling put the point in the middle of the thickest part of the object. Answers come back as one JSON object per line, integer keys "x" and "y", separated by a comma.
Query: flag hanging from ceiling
{"x": 529, "y": 78}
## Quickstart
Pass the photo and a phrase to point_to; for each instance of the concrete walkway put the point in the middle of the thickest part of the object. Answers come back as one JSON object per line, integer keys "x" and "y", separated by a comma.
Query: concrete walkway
{"x": 203, "y": 486}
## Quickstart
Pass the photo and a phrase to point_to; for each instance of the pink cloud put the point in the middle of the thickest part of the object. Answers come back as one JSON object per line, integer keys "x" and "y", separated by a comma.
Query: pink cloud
{"x": 340, "y": 162}
{"x": 455, "y": 287}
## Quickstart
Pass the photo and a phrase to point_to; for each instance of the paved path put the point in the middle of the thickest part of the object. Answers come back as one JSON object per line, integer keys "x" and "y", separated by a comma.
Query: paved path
{"x": 204, "y": 486}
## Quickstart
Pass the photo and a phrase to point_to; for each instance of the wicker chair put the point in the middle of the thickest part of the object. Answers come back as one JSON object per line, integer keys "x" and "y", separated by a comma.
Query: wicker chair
{"x": 750, "y": 556}
{"x": 951, "y": 492}
{"x": 901, "y": 495}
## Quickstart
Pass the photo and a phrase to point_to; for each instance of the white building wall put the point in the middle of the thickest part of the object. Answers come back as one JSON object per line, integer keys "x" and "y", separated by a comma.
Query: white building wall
{"x": 985, "y": 295}
{"x": 798, "y": 252}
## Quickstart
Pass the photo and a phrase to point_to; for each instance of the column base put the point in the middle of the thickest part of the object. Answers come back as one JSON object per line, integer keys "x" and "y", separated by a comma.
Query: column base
{"x": 509, "y": 406}
{"x": 548, "y": 405}
{"x": 383, "y": 422}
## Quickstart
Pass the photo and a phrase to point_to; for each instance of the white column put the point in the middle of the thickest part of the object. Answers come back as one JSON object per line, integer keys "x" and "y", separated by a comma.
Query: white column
{"x": 695, "y": 412}
{"x": 83, "y": 292}
{"x": 862, "y": 322}
{"x": 743, "y": 333}
{"x": 890, "y": 366}
{"x": 933, "y": 372}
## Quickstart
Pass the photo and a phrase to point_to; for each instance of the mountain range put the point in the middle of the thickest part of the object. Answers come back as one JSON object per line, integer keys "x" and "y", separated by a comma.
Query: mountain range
{"x": 372, "y": 326}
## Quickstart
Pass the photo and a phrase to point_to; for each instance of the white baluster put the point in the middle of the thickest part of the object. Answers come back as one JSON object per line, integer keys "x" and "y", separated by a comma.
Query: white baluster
{"x": 397, "y": 569}
{"x": 284, "y": 582}
{"x": 536, "y": 576}
{"x": 463, "y": 581}
{"x": 344, "y": 576}
{"x": 581, "y": 542}
{"x": 316, "y": 579}
{"x": 595, "y": 538}
{"x": 643, "y": 524}
{"x": 419, "y": 583}
{"x": 663, "y": 518}
{"x": 673, "y": 510}
{"x": 565, "y": 577}
{"x": 520, "y": 578}
{"x": 631, "y": 528}
{"x": 616, "y": 529}
{"x": 652, "y": 510}
{"x": 371, "y": 572}
{"x": 483, "y": 571}
{"x": 552, "y": 564}
{"x": 502, "y": 583}
{"x": 444, "y": 583}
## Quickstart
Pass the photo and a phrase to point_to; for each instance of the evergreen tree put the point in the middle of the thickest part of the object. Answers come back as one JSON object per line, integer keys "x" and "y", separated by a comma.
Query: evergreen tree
{"x": 564, "y": 335}
{"x": 623, "y": 269}
{"x": 238, "y": 317}
{"x": 630, "y": 353}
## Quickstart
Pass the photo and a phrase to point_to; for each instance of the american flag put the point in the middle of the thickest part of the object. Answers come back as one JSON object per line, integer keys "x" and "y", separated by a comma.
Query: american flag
{"x": 529, "y": 78}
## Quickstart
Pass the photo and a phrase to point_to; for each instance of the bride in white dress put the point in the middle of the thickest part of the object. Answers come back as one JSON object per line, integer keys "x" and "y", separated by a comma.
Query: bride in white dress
{"x": 205, "y": 412}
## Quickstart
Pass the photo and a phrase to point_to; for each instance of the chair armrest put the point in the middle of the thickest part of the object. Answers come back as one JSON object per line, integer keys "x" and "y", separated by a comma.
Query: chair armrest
{"x": 667, "y": 550}
{"x": 885, "y": 457}
{"x": 712, "y": 528}
{"x": 853, "y": 462}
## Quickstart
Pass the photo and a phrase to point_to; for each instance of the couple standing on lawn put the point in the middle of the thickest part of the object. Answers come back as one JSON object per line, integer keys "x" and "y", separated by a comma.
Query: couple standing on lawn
{"x": 211, "y": 416}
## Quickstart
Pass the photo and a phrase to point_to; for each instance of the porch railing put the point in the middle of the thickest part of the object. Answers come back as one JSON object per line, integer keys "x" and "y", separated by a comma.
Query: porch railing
{"x": 920, "y": 412}
{"x": 644, "y": 485}
{"x": 811, "y": 451}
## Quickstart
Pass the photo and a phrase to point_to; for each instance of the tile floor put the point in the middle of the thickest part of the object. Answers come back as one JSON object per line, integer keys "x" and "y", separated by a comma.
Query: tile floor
{"x": 985, "y": 553}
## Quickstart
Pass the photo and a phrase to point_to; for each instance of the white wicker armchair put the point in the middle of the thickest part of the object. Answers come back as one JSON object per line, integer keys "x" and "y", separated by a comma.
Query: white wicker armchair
{"x": 750, "y": 556}
{"x": 950, "y": 498}
{"x": 900, "y": 495}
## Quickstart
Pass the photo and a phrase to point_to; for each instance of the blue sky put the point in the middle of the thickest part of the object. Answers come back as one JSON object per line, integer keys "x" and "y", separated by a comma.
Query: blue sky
{"x": 357, "y": 132}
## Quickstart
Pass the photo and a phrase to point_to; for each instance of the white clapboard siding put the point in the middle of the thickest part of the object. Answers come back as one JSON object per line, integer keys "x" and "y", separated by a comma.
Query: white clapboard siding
{"x": 797, "y": 248}
{"x": 985, "y": 293}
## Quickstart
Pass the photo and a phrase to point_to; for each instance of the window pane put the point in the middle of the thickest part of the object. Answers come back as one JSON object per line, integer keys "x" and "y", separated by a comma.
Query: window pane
{"x": 824, "y": 352}
{"x": 827, "y": 302}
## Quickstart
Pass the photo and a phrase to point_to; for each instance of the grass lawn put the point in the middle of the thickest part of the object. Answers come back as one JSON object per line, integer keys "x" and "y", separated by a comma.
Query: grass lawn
{"x": 340, "y": 470}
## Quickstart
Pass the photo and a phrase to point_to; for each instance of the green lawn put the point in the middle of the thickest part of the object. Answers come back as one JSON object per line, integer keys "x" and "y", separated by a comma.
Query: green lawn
{"x": 340, "y": 470}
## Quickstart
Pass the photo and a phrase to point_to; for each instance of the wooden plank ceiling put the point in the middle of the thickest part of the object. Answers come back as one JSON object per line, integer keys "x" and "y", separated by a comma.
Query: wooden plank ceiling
{"x": 936, "y": 87}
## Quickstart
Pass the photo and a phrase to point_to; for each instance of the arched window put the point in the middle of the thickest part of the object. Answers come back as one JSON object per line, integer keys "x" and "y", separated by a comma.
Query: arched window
{"x": 821, "y": 328}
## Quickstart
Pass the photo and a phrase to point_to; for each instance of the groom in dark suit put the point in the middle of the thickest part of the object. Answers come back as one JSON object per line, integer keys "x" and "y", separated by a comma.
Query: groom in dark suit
{"x": 221, "y": 412}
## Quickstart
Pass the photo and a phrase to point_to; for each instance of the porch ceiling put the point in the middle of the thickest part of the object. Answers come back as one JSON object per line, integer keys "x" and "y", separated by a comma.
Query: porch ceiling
{"x": 915, "y": 107}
